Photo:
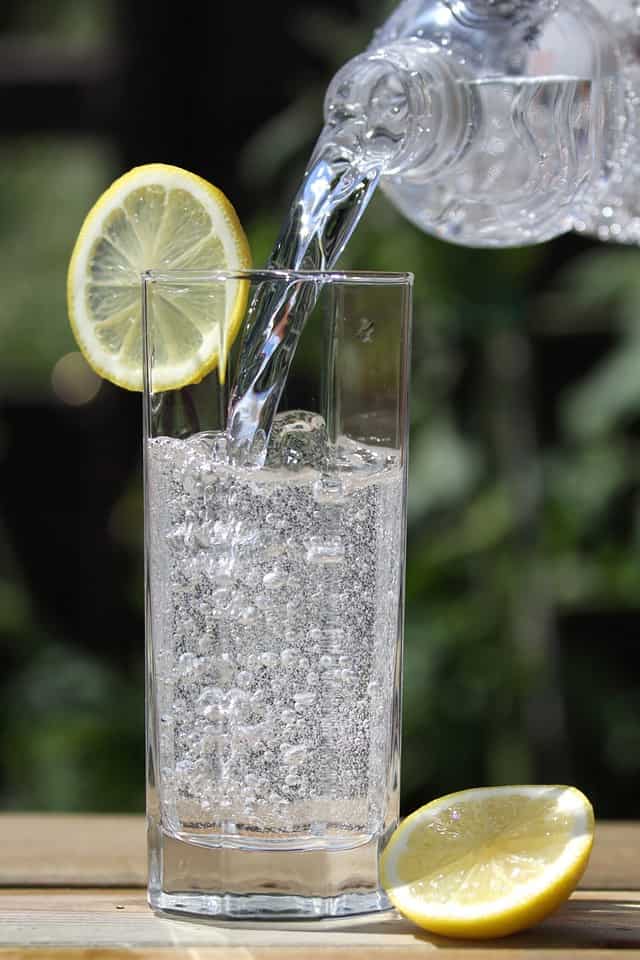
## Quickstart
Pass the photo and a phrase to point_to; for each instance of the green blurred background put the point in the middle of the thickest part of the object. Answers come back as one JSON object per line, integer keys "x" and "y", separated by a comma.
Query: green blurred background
{"x": 523, "y": 581}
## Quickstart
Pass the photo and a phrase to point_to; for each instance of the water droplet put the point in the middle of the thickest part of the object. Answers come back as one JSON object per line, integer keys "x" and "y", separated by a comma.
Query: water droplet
{"x": 269, "y": 659}
{"x": 325, "y": 661}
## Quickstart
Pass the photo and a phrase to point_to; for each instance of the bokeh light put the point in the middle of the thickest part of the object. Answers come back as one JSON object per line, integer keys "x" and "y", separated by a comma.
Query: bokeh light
{"x": 73, "y": 381}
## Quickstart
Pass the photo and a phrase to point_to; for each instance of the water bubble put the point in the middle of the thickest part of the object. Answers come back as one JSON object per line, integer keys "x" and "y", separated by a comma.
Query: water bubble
{"x": 221, "y": 532}
{"x": 324, "y": 551}
{"x": 295, "y": 755}
{"x": 224, "y": 668}
{"x": 212, "y": 712}
{"x": 200, "y": 666}
{"x": 328, "y": 489}
{"x": 288, "y": 657}
{"x": 191, "y": 484}
{"x": 209, "y": 695}
{"x": 304, "y": 700}
{"x": 275, "y": 579}
{"x": 366, "y": 330}
{"x": 248, "y": 614}
{"x": 325, "y": 661}
{"x": 221, "y": 597}
{"x": 185, "y": 662}
{"x": 331, "y": 638}
{"x": 269, "y": 659}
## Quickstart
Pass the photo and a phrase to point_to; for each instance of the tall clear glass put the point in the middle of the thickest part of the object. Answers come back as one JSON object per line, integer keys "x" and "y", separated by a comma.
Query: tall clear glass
{"x": 274, "y": 610}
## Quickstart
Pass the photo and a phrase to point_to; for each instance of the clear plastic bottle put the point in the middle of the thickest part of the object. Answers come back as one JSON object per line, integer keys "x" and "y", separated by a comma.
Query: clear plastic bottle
{"x": 510, "y": 121}
{"x": 611, "y": 210}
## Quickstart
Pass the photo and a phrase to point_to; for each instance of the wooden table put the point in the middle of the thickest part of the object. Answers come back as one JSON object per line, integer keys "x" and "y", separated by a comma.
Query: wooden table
{"x": 73, "y": 887}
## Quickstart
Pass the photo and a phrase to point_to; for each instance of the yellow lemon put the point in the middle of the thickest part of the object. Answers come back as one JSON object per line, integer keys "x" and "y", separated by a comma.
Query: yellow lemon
{"x": 156, "y": 217}
{"x": 489, "y": 861}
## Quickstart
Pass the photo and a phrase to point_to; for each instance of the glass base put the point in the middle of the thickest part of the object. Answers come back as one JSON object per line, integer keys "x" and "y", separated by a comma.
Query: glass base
{"x": 227, "y": 883}
{"x": 230, "y": 906}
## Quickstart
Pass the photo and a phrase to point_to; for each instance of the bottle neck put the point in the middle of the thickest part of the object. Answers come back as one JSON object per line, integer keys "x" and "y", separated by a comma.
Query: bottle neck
{"x": 401, "y": 107}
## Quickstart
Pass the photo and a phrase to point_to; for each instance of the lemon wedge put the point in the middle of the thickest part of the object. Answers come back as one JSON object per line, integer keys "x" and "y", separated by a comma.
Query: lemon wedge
{"x": 156, "y": 217}
{"x": 489, "y": 861}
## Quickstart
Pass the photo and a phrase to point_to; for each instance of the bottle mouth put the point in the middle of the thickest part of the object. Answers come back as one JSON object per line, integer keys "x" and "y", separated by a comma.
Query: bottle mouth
{"x": 402, "y": 106}
{"x": 370, "y": 100}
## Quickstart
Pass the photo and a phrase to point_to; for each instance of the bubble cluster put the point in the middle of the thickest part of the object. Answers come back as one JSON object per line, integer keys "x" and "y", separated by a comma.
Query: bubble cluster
{"x": 274, "y": 598}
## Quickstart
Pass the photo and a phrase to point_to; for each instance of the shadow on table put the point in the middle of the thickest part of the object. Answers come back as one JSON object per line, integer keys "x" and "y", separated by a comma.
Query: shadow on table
{"x": 578, "y": 924}
{"x": 581, "y": 923}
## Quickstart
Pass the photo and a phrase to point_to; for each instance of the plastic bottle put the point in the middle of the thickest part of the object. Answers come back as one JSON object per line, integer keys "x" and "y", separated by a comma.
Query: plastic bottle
{"x": 501, "y": 122}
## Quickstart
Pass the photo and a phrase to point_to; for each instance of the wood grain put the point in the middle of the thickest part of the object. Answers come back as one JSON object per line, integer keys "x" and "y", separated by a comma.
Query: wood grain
{"x": 109, "y": 851}
{"x": 72, "y": 888}
{"x": 615, "y": 858}
{"x": 72, "y": 850}
{"x": 100, "y": 920}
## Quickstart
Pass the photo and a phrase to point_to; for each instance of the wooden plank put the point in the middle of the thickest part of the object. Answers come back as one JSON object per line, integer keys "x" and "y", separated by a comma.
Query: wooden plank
{"x": 72, "y": 850}
{"x": 109, "y": 851}
{"x": 615, "y": 858}
{"x": 99, "y": 921}
{"x": 294, "y": 953}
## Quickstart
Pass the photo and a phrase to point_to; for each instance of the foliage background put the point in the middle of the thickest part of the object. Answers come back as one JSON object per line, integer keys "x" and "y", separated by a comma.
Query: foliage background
{"x": 522, "y": 578}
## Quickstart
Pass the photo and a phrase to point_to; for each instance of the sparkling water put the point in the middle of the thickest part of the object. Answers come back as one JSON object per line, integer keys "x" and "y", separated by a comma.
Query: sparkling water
{"x": 275, "y": 599}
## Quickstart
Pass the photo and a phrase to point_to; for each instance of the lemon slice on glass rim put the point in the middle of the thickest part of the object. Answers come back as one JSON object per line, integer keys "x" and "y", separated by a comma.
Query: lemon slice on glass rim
{"x": 489, "y": 861}
{"x": 156, "y": 217}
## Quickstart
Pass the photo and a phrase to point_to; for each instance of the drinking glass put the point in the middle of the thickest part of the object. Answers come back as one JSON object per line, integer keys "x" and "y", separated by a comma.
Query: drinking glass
{"x": 274, "y": 608}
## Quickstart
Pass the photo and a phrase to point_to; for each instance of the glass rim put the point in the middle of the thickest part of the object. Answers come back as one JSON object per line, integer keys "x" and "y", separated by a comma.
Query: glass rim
{"x": 357, "y": 277}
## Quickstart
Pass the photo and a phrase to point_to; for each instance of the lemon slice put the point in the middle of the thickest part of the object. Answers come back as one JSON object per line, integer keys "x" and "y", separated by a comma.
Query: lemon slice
{"x": 164, "y": 218}
{"x": 490, "y": 861}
